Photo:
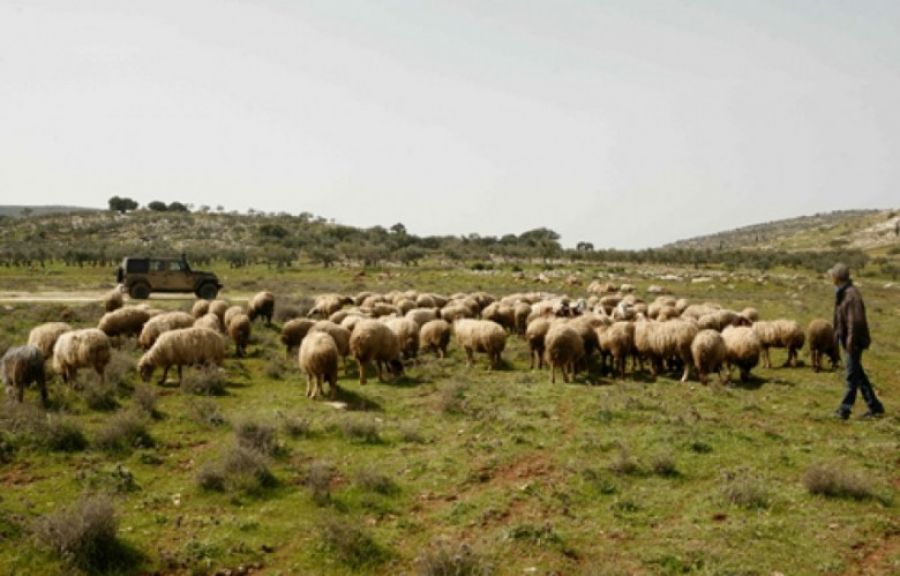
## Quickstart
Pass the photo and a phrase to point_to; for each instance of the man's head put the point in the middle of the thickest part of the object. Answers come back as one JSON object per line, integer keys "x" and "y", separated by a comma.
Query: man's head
{"x": 840, "y": 274}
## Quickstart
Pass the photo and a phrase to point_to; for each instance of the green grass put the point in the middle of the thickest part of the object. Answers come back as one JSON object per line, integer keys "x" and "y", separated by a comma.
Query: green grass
{"x": 523, "y": 473}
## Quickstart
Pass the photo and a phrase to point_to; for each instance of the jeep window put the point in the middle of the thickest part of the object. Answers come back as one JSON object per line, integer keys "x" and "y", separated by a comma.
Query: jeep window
{"x": 158, "y": 266}
{"x": 176, "y": 266}
{"x": 138, "y": 266}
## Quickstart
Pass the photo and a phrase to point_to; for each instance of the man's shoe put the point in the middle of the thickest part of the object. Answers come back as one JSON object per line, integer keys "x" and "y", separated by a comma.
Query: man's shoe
{"x": 841, "y": 414}
{"x": 872, "y": 414}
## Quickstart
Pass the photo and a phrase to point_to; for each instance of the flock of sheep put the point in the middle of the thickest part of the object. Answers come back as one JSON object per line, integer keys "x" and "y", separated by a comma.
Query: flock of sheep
{"x": 612, "y": 325}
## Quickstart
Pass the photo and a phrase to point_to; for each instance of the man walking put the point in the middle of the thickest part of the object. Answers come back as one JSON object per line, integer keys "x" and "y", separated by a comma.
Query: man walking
{"x": 851, "y": 330}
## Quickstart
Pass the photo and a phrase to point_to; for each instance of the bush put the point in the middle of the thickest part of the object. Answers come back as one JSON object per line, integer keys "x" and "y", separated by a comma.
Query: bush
{"x": 318, "y": 479}
{"x": 125, "y": 430}
{"x": 409, "y": 432}
{"x": 257, "y": 436}
{"x": 452, "y": 399}
{"x": 376, "y": 481}
{"x": 351, "y": 545}
{"x": 239, "y": 468}
{"x": 85, "y": 535}
{"x": 836, "y": 481}
{"x": 204, "y": 382}
{"x": 624, "y": 463}
{"x": 63, "y": 435}
{"x": 295, "y": 426}
{"x": 121, "y": 366}
{"x": 444, "y": 559}
{"x": 745, "y": 490}
{"x": 360, "y": 429}
{"x": 664, "y": 465}
{"x": 99, "y": 395}
{"x": 206, "y": 413}
{"x": 145, "y": 398}
{"x": 24, "y": 423}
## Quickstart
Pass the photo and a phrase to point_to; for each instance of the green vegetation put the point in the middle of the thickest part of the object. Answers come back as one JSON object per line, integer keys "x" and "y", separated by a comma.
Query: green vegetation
{"x": 451, "y": 470}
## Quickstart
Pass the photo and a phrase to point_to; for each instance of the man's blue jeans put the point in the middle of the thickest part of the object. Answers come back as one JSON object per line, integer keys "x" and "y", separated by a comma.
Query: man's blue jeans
{"x": 857, "y": 380}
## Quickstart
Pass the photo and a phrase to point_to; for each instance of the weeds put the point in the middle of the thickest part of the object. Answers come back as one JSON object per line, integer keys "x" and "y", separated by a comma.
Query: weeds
{"x": 452, "y": 398}
{"x": 664, "y": 465}
{"x": 145, "y": 398}
{"x": 360, "y": 429}
{"x": 239, "y": 469}
{"x": 206, "y": 413}
{"x": 85, "y": 535}
{"x": 351, "y": 545}
{"x": 99, "y": 395}
{"x": 745, "y": 490}
{"x": 295, "y": 426}
{"x": 318, "y": 479}
{"x": 257, "y": 436}
{"x": 445, "y": 559}
{"x": 624, "y": 463}
{"x": 833, "y": 480}
{"x": 207, "y": 381}
{"x": 376, "y": 481}
{"x": 125, "y": 430}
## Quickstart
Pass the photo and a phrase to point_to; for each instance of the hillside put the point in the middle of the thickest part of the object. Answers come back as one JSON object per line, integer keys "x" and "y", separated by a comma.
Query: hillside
{"x": 873, "y": 231}
{"x": 22, "y": 211}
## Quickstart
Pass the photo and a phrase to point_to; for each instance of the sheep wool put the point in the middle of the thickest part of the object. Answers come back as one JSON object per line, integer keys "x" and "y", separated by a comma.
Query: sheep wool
{"x": 708, "y": 351}
{"x": 318, "y": 358}
{"x": 44, "y": 336}
{"x": 163, "y": 323}
{"x": 182, "y": 347}
{"x": 563, "y": 348}
{"x": 480, "y": 336}
{"x": 86, "y": 348}
{"x": 373, "y": 341}
{"x": 262, "y": 305}
{"x": 435, "y": 336}
{"x": 127, "y": 321}
{"x": 21, "y": 366}
{"x": 742, "y": 349}
{"x": 822, "y": 343}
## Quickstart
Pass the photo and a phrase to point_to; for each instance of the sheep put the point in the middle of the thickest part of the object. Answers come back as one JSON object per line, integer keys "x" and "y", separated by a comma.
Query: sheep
{"x": 127, "y": 321}
{"x": 670, "y": 340}
{"x": 84, "y": 348}
{"x": 742, "y": 349}
{"x": 750, "y": 314}
{"x": 182, "y": 347}
{"x": 211, "y": 322}
{"x": 351, "y": 320}
{"x": 382, "y": 309}
{"x": 780, "y": 333}
{"x": 263, "y": 305}
{"x": 521, "y": 311}
{"x": 218, "y": 307}
{"x": 407, "y": 332}
{"x": 435, "y": 336}
{"x": 327, "y": 304}
{"x": 426, "y": 301}
{"x": 113, "y": 300}
{"x": 422, "y": 315}
{"x": 821, "y": 341}
{"x": 371, "y": 340}
{"x": 21, "y": 366}
{"x": 455, "y": 311}
{"x": 230, "y": 313}
{"x": 339, "y": 334}
{"x": 563, "y": 348}
{"x": 480, "y": 336}
{"x": 200, "y": 308}
{"x": 617, "y": 340}
{"x": 708, "y": 351}
{"x": 586, "y": 326}
{"x": 719, "y": 319}
{"x": 404, "y": 305}
{"x": 44, "y": 336}
{"x": 502, "y": 314}
{"x": 535, "y": 334}
{"x": 163, "y": 323}
{"x": 293, "y": 332}
{"x": 239, "y": 329}
{"x": 318, "y": 358}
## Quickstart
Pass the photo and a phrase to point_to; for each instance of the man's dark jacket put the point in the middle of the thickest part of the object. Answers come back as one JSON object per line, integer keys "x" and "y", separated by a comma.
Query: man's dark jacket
{"x": 850, "y": 327}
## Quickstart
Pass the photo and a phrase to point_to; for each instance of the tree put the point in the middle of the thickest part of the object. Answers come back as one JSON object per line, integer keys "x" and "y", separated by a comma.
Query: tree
{"x": 584, "y": 247}
{"x": 398, "y": 229}
{"x": 122, "y": 205}
{"x": 157, "y": 206}
{"x": 177, "y": 207}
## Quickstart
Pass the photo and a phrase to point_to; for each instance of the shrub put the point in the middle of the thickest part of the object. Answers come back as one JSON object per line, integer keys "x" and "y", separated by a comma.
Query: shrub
{"x": 63, "y": 435}
{"x": 240, "y": 468}
{"x": 445, "y": 559}
{"x": 295, "y": 426}
{"x": 257, "y": 436}
{"x": 99, "y": 395}
{"x": 376, "y": 481}
{"x": 145, "y": 398}
{"x": 409, "y": 432}
{"x": 206, "y": 413}
{"x": 452, "y": 398}
{"x": 121, "y": 366}
{"x": 318, "y": 479}
{"x": 745, "y": 490}
{"x": 204, "y": 382}
{"x": 85, "y": 535}
{"x": 351, "y": 545}
{"x": 624, "y": 463}
{"x": 836, "y": 481}
{"x": 664, "y": 465}
{"x": 360, "y": 429}
{"x": 124, "y": 431}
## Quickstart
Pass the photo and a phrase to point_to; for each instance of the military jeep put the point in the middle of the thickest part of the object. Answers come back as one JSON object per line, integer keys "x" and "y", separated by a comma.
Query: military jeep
{"x": 142, "y": 275}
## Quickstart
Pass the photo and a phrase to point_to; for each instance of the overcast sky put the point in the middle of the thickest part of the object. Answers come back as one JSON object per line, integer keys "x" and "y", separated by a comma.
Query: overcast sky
{"x": 626, "y": 123}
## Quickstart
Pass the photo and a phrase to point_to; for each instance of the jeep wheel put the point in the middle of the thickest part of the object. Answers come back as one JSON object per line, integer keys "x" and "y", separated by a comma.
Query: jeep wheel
{"x": 139, "y": 291}
{"x": 207, "y": 291}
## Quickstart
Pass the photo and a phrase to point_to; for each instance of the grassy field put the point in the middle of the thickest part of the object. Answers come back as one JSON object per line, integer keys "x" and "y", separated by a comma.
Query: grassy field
{"x": 453, "y": 466}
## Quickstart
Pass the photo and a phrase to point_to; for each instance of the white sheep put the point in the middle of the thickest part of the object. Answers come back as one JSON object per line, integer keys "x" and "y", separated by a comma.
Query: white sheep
{"x": 183, "y": 347}
{"x": 44, "y": 336}
{"x": 372, "y": 341}
{"x": 86, "y": 348}
{"x": 318, "y": 359}
{"x": 480, "y": 336}
{"x": 563, "y": 348}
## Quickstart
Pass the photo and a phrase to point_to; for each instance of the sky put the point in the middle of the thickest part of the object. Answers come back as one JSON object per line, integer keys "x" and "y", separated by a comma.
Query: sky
{"x": 624, "y": 123}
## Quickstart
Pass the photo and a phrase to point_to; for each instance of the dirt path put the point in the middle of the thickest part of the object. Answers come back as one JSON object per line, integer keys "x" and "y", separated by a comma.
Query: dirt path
{"x": 50, "y": 296}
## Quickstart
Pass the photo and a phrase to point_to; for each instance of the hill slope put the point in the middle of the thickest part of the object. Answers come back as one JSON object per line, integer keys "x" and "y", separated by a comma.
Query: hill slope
{"x": 872, "y": 231}
{"x": 16, "y": 211}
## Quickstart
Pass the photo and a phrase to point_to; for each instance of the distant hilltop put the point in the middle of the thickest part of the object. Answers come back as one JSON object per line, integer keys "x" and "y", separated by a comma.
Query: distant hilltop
{"x": 868, "y": 230}
{"x": 22, "y": 211}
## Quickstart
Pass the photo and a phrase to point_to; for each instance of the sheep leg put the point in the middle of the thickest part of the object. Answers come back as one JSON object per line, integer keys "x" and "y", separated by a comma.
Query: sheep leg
{"x": 470, "y": 357}
{"x": 553, "y": 373}
{"x": 768, "y": 359}
{"x": 165, "y": 375}
{"x": 531, "y": 358}
{"x": 179, "y": 374}
{"x": 42, "y": 386}
{"x": 20, "y": 392}
{"x": 362, "y": 372}
{"x": 687, "y": 372}
{"x": 332, "y": 386}
{"x": 308, "y": 384}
